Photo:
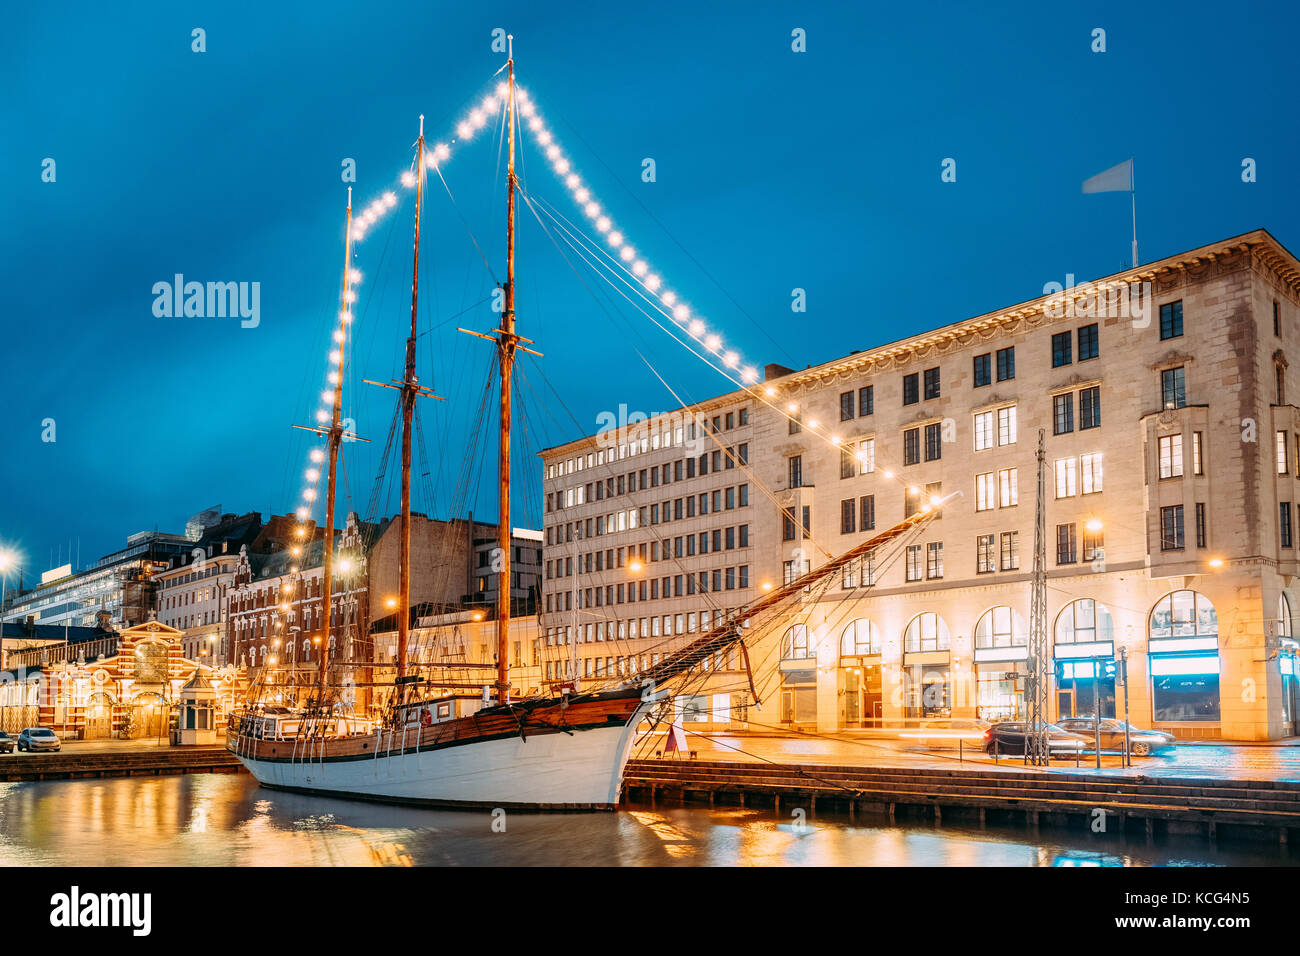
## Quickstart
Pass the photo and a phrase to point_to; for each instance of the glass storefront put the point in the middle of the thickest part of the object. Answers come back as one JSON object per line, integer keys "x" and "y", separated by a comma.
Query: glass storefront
{"x": 1079, "y": 684}
{"x": 999, "y": 692}
{"x": 927, "y": 690}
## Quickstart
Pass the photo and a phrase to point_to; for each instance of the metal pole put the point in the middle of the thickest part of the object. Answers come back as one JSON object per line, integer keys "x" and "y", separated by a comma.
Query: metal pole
{"x": 507, "y": 343}
{"x": 1123, "y": 672}
{"x": 1096, "y": 710}
{"x": 1036, "y": 680}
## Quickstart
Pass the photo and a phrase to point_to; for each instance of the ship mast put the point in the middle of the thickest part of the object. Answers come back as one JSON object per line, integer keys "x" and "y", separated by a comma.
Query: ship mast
{"x": 334, "y": 436}
{"x": 410, "y": 389}
{"x": 506, "y": 351}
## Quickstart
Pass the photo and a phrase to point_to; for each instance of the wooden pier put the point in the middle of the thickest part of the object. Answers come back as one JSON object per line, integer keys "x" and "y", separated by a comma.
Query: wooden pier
{"x": 154, "y": 761}
{"x": 1214, "y": 808}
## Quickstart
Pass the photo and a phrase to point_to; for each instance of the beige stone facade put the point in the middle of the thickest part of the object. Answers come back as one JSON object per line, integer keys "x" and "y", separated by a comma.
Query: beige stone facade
{"x": 1172, "y": 447}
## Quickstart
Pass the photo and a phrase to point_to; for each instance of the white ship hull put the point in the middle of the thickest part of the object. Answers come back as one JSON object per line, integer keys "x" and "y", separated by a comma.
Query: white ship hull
{"x": 578, "y": 770}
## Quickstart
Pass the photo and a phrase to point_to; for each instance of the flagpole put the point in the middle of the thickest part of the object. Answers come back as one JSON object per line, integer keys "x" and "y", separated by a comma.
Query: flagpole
{"x": 1132, "y": 195}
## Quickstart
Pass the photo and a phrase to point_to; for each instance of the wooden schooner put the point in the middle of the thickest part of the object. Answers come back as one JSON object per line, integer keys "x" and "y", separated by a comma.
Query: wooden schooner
{"x": 561, "y": 751}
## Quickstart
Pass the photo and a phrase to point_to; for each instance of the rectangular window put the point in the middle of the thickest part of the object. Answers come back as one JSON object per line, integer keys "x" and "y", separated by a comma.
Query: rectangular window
{"x": 1010, "y": 550}
{"x": 1171, "y": 320}
{"x": 1089, "y": 407}
{"x": 1066, "y": 478}
{"x": 848, "y": 462}
{"x": 931, "y": 376}
{"x": 867, "y": 504}
{"x": 1280, "y": 447}
{"x": 1061, "y": 350}
{"x": 1171, "y": 455}
{"x": 933, "y": 442}
{"x": 1066, "y": 545}
{"x": 1173, "y": 388}
{"x": 1088, "y": 346}
{"x": 1284, "y": 527}
{"x": 787, "y": 525}
{"x": 1093, "y": 545}
{"x": 984, "y": 559}
{"x": 984, "y": 491}
{"x": 983, "y": 370}
{"x": 807, "y": 521}
{"x": 796, "y": 422}
{"x": 1200, "y": 524}
{"x": 867, "y": 456}
{"x": 914, "y": 562}
{"x": 866, "y": 400}
{"x": 1063, "y": 413}
{"x": 1007, "y": 425}
{"x": 1006, "y": 363}
{"x": 911, "y": 446}
{"x": 934, "y": 560}
{"x": 848, "y": 516}
{"x": 1008, "y": 492}
{"x": 911, "y": 502}
{"x": 983, "y": 431}
{"x": 796, "y": 471}
{"x": 1171, "y": 528}
{"x": 1090, "y": 472}
{"x": 911, "y": 389}
{"x": 1277, "y": 320}
{"x": 846, "y": 406}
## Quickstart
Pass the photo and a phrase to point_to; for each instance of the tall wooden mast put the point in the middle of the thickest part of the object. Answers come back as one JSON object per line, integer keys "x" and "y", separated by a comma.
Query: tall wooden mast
{"x": 410, "y": 389}
{"x": 506, "y": 352}
{"x": 334, "y": 436}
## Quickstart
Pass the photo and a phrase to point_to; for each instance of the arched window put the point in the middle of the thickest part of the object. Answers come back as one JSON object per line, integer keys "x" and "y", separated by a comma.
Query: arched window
{"x": 926, "y": 632}
{"x": 1000, "y": 627}
{"x": 1284, "y": 616}
{"x": 795, "y": 645}
{"x": 1184, "y": 614}
{"x": 860, "y": 638}
{"x": 1083, "y": 622}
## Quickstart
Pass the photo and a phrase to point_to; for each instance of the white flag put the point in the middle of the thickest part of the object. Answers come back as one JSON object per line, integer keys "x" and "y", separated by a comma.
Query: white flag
{"x": 1116, "y": 179}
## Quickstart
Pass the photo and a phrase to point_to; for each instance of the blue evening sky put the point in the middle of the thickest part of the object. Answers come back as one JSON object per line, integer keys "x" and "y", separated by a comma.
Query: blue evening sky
{"x": 775, "y": 170}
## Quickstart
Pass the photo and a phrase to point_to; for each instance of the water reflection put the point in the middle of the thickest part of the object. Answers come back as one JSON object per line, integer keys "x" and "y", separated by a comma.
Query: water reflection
{"x": 227, "y": 820}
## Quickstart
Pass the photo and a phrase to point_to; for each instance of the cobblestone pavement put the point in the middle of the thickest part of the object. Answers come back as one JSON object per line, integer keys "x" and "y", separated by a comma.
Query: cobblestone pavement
{"x": 1219, "y": 761}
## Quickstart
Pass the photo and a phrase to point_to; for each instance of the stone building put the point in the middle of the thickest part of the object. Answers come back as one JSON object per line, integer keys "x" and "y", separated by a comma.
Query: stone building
{"x": 1172, "y": 454}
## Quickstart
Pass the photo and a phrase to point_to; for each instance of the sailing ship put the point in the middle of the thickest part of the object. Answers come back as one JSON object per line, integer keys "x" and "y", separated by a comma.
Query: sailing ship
{"x": 563, "y": 749}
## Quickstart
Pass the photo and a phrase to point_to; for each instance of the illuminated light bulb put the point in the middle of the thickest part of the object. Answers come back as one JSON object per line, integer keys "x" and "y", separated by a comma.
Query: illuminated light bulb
{"x": 431, "y": 160}
{"x": 888, "y": 473}
{"x": 835, "y": 439}
{"x": 390, "y": 199}
{"x": 463, "y": 130}
{"x": 503, "y": 88}
{"x": 527, "y": 109}
{"x": 668, "y": 298}
{"x": 591, "y": 209}
{"x": 300, "y": 530}
{"x": 350, "y": 297}
{"x": 561, "y": 166}
{"x": 713, "y": 343}
{"x": 652, "y": 282}
{"x": 442, "y": 150}
{"x": 322, "y": 415}
{"x": 520, "y": 93}
{"x": 543, "y": 138}
{"x": 792, "y": 408}
{"x": 813, "y": 423}
{"x": 347, "y": 317}
{"x": 572, "y": 181}
{"x": 861, "y": 455}
{"x": 603, "y": 224}
{"x": 408, "y": 179}
{"x": 769, "y": 391}
{"x": 913, "y": 490}
{"x": 302, "y": 514}
{"x": 731, "y": 360}
{"x": 327, "y": 396}
{"x": 552, "y": 151}
{"x": 627, "y": 254}
{"x": 638, "y": 268}
{"x": 477, "y": 118}
{"x": 338, "y": 335}
{"x": 1094, "y": 525}
{"x": 750, "y": 374}
{"x": 313, "y": 474}
{"x": 583, "y": 195}
{"x": 767, "y": 585}
{"x": 535, "y": 123}
{"x": 925, "y": 509}
{"x": 680, "y": 313}
{"x": 333, "y": 378}
{"x": 1216, "y": 563}
{"x": 615, "y": 238}
{"x": 935, "y": 501}
{"x": 317, "y": 455}
{"x": 354, "y": 275}
{"x": 335, "y": 356}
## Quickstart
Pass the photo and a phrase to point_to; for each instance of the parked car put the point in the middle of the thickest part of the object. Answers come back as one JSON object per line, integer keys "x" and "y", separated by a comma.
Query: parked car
{"x": 6, "y": 743}
{"x": 1141, "y": 742}
{"x": 1008, "y": 737}
{"x": 948, "y": 734}
{"x": 38, "y": 738}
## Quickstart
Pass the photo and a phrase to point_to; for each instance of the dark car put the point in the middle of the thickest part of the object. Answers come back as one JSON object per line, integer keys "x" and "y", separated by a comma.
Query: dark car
{"x": 1008, "y": 737}
{"x": 6, "y": 743}
{"x": 38, "y": 738}
{"x": 1141, "y": 742}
